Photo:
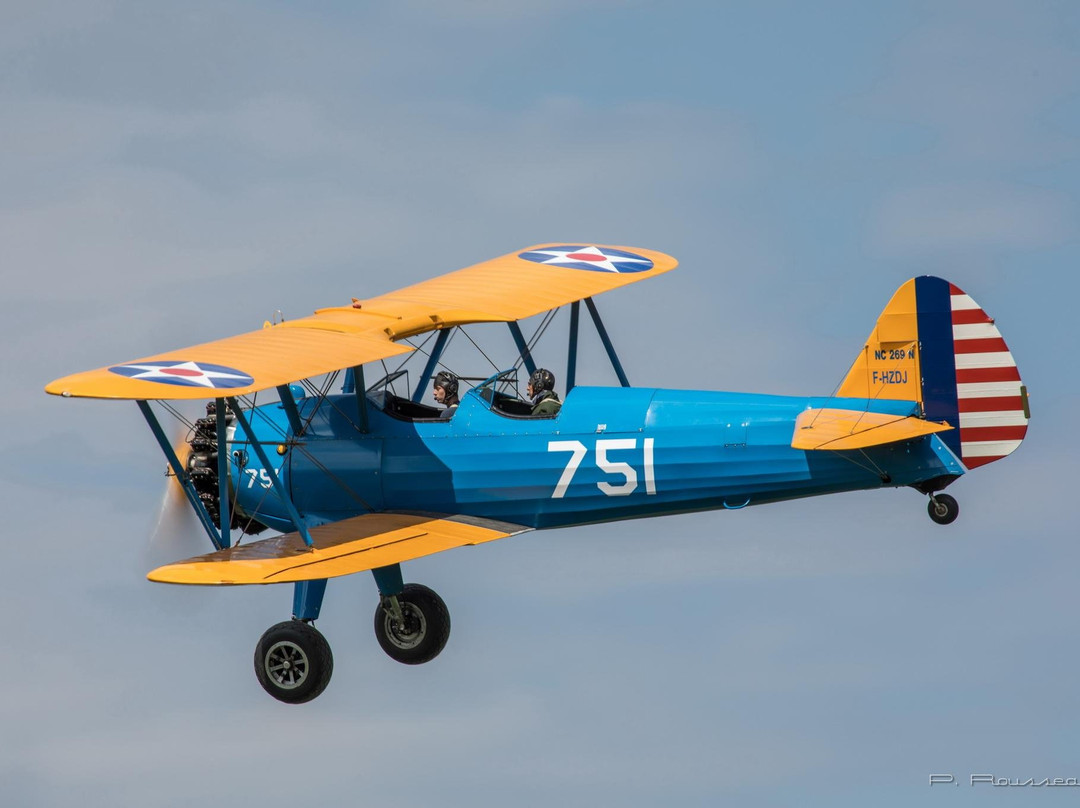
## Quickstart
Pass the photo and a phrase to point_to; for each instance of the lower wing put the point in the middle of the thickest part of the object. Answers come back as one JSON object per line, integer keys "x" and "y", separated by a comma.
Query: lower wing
{"x": 361, "y": 543}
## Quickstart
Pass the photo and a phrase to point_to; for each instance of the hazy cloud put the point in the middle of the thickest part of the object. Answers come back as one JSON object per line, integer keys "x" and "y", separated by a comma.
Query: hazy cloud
{"x": 973, "y": 216}
{"x": 983, "y": 77}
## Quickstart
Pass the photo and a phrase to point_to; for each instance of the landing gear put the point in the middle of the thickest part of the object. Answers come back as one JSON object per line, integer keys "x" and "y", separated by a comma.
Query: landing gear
{"x": 412, "y": 627}
{"x": 943, "y": 509}
{"x": 293, "y": 662}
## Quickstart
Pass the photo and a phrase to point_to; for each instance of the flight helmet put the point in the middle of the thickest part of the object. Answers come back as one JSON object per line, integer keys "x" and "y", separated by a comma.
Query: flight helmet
{"x": 447, "y": 381}
{"x": 541, "y": 380}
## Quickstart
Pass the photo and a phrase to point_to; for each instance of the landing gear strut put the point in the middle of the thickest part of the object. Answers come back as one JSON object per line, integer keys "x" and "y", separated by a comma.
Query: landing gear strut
{"x": 943, "y": 509}
{"x": 412, "y": 627}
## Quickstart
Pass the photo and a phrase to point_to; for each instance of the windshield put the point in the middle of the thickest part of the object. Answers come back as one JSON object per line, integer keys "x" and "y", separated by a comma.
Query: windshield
{"x": 376, "y": 393}
{"x": 502, "y": 385}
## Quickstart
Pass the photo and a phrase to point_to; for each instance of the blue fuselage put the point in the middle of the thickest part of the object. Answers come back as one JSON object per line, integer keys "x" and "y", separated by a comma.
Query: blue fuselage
{"x": 611, "y": 453}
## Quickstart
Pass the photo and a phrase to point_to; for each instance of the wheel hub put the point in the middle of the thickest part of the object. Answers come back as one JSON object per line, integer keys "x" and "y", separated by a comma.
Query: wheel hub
{"x": 409, "y": 632}
{"x": 286, "y": 665}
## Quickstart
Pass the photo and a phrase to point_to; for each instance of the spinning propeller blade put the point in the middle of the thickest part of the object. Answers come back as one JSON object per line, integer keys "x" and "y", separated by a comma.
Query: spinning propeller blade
{"x": 177, "y": 533}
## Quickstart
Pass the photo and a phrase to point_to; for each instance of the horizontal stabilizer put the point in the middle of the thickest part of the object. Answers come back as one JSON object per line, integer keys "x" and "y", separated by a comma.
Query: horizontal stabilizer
{"x": 340, "y": 548}
{"x": 839, "y": 430}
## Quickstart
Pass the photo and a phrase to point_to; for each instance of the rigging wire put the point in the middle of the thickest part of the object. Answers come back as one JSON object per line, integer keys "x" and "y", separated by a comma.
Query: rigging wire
{"x": 909, "y": 347}
{"x": 177, "y": 415}
{"x": 882, "y": 474}
{"x": 481, "y": 350}
{"x": 420, "y": 348}
{"x": 540, "y": 329}
{"x": 306, "y": 453}
{"x": 440, "y": 363}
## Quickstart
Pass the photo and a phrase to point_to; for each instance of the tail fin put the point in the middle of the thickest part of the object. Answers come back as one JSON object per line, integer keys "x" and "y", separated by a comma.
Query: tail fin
{"x": 935, "y": 345}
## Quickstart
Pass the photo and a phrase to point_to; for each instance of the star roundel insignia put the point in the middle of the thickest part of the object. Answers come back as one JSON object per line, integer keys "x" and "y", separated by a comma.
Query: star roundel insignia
{"x": 594, "y": 259}
{"x": 185, "y": 374}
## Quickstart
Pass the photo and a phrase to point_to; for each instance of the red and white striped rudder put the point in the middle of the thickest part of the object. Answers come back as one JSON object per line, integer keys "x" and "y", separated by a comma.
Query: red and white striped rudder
{"x": 991, "y": 398}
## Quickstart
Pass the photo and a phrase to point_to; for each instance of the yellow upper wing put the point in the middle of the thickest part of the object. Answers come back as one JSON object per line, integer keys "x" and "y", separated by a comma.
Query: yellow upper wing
{"x": 511, "y": 287}
{"x": 352, "y": 545}
{"x": 840, "y": 430}
{"x": 233, "y": 366}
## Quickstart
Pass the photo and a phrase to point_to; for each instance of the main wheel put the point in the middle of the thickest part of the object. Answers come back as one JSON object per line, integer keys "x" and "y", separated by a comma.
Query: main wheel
{"x": 293, "y": 662}
{"x": 943, "y": 509}
{"x": 422, "y": 634}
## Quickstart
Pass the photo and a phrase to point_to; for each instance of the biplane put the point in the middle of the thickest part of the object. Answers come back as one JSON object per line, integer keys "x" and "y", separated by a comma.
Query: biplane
{"x": 366, "y": 477}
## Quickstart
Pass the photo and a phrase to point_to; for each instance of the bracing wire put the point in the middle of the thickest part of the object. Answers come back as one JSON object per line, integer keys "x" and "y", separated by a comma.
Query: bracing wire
{"x": 420, "y": 348}
{"x": 175, "y": 413}
{"x": 481, "y": 350}
{"x": 531, "y": 343}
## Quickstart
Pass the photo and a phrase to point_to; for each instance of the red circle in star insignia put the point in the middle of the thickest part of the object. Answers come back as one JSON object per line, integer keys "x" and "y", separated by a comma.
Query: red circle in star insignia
{"x": 181, "y": 372}
{"x": 587, "y": 257}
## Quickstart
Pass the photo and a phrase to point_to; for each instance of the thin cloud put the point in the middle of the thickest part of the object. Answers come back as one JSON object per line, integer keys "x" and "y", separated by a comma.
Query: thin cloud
{"x": 972, "y": 216}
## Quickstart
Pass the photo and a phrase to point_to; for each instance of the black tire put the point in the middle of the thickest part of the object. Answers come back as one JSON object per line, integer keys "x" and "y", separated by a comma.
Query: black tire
{"x": 293, "y": 662}
{"x": 426, "y": 629}
{"x": 943, "y": 509}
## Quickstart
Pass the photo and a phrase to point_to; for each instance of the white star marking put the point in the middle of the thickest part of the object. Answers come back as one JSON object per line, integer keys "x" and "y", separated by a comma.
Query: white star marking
{"x": 191, "y": 373}
{"x": 595, "y": 258}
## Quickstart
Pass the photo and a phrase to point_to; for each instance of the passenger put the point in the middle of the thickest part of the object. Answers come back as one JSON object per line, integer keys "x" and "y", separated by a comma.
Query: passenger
{"x": 541, "y": 391}
{"x": 445, "y": 388}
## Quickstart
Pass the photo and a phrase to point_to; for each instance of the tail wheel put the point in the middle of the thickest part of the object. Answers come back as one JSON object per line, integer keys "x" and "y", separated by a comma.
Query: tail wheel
{"x": 293, "y": 662}
{"x": 419, "y": 632}
{"x": 943, "y": 509}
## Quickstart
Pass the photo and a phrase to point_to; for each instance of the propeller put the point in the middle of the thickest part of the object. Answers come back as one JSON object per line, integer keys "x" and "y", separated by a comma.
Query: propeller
{"x": 177, "y": 533}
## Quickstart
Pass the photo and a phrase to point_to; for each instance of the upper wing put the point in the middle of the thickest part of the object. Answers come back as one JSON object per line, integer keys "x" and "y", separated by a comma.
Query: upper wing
{"x": 838, "y": 430}
{"x": 507, "y": 288}
{"x": 233, "y": 366}
{"x": 361, "y": 543}
{"x": 520, "y": 284}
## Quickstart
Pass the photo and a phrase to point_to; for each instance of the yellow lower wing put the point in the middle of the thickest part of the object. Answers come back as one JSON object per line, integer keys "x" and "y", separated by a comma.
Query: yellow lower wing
{"x": 340, "y": 548}
{"x": 837, "y": 430}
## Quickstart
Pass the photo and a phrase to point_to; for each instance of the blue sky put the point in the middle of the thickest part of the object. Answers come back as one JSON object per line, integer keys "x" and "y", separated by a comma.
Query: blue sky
{"x": 171, "y": 173}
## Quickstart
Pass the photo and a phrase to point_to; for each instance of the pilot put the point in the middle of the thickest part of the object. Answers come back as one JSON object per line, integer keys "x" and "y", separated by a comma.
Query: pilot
{"x": 445, "y": 389}
{"x": 541, "y": 391}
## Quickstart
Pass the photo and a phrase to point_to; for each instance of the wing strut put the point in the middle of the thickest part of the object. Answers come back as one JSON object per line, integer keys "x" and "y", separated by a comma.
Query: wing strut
{"x": 225, "y": 517}
{"x": 432, "y": 363}
{"x": 279, "y": 487}
{"x": 615, "y": 363}
{"x": 354, "y": 384}
{"x": 571, "y": 354}
{"x": 360, "y": 389}
{"x": 291, "y": 412}
{"x": 522, "y": 346}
